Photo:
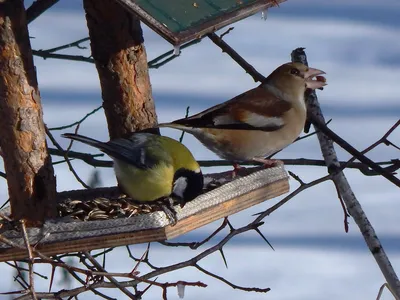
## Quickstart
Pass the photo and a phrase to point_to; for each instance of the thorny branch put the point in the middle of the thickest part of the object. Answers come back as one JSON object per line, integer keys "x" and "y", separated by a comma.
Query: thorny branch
{"x": 109, "y": 277}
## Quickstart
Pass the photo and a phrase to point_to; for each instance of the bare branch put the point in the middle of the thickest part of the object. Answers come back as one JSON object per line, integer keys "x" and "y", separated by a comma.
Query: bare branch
{"x": 345, "y": 190}
{"x": 169, "y": 55}
{"x": 76, "y": 44}
{"x": 37, "y": 8}
{"x": 77, "y": 122}
{"x": 195, "y": 245}
{"x": 234, "y": 286}
{"x": 71, "y": 168}
{"x": 30, "y": 260}
{"x": 236, "y": 57}
{"x": 109, "y": 277}
{"x": 46, "y": 55}
{"x": 353, "y": 151}
{"x": 90, "y": 159}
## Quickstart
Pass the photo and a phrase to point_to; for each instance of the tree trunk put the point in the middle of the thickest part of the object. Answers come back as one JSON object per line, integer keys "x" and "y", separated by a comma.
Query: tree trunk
{"x": 30, "y": 175}
{"x": 120, "y": 57}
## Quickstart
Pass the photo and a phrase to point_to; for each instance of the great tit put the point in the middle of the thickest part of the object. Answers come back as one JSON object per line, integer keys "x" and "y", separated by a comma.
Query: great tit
{"x": 259, "y": 122}
{"x": 150, "y": 167}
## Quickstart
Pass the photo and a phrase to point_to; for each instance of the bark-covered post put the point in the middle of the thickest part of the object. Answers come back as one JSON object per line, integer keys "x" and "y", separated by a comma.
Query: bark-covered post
{"x": 117, "y": 48}
{"x": 30, "y": 175}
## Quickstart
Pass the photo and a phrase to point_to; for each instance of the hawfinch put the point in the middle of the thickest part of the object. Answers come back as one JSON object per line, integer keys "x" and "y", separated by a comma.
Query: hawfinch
{"x": 258, "y": 122}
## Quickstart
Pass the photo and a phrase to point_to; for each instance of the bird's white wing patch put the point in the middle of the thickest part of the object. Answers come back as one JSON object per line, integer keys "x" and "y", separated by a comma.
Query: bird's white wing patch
{"x": 180, "y": 186}
{"x": 258, "y": 120}
{"x": 224, "y": 120}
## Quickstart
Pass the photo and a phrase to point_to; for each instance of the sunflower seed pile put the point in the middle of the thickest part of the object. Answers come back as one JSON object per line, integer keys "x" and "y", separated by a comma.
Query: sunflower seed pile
{"x": 105, "y": 209}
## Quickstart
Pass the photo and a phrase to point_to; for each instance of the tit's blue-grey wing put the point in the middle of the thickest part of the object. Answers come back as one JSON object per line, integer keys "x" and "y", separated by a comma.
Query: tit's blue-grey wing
{"x": 143, "y": 150}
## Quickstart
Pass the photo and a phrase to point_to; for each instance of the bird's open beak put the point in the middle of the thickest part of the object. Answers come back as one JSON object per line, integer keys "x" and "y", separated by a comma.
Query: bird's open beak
{"x": 316, "y": 83}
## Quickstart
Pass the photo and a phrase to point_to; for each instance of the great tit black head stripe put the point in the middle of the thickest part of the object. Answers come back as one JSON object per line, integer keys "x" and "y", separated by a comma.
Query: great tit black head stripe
{"x": 188, "y": 184}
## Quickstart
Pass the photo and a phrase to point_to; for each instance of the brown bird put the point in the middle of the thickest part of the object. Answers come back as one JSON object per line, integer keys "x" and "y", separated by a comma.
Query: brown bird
{"x": 258, "y": 122}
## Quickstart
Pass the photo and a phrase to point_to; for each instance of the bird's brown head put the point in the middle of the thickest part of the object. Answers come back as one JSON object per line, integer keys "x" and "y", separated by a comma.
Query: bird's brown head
{"x": 294, "y": 78}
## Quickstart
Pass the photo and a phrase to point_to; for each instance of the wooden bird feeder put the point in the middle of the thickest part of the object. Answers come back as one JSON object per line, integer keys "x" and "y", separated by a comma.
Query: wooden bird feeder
{"x": 180, "y": 21}
{"x": 65, "y": 235}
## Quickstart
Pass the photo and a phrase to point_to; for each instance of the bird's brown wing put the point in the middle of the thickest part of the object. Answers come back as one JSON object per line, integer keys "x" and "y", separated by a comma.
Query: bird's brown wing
{"x": 256, "y": 109}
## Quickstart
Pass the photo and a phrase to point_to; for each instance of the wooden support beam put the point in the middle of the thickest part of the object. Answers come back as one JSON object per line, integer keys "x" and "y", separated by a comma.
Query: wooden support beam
{"x": 30, "y": 176}
{"x": 116, "y": 40}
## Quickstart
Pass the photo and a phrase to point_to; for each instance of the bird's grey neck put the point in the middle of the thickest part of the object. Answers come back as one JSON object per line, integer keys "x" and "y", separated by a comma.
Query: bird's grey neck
{"x": 277, "y": 92}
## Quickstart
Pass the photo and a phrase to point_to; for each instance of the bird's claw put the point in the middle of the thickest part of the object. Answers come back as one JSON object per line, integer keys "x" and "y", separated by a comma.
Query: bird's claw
{"x": 169, "y": 210}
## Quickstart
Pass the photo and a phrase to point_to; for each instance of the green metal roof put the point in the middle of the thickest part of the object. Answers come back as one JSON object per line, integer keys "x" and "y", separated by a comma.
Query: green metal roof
{"x": 179, "y": 21}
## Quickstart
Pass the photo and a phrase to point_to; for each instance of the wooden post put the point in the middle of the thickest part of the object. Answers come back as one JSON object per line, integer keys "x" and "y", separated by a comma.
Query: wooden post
{"x": 30, "y": 175}
{"x": 120, "y": 57}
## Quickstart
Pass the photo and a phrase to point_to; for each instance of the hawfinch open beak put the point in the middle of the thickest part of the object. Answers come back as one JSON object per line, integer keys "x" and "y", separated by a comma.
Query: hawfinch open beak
{"x": 316, "y": 83}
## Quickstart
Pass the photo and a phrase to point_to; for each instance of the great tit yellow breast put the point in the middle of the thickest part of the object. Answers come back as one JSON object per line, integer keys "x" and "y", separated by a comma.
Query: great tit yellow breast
{"x": 145, "y": 184}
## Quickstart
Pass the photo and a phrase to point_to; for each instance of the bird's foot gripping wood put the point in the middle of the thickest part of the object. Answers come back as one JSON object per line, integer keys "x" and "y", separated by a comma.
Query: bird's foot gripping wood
{"x": 268, "y": 163}
{"x": 235, "y": 171}
{"x": 169, "y": 210}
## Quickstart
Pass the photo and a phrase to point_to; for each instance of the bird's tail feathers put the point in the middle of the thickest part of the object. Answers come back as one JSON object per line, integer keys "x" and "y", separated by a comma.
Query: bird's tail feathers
{"x": 175, "y": 126}
{"x": 85, "y": 140}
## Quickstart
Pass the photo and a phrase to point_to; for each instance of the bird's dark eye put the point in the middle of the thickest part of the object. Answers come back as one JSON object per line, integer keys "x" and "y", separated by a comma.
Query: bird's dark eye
{"x": 295, "y": 71}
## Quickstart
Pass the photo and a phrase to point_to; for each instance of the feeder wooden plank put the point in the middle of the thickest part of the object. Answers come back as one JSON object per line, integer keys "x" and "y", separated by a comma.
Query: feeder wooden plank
{"x": 57, "y": 237}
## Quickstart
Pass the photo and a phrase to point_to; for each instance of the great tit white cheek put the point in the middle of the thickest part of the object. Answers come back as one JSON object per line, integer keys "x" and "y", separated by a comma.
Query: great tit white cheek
{"x": 180, "y": 186}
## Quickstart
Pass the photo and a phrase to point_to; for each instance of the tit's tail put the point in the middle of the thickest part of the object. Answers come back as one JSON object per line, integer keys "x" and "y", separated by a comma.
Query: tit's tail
{"x": 86, "y": 140}
{"x": 176, "y": 126}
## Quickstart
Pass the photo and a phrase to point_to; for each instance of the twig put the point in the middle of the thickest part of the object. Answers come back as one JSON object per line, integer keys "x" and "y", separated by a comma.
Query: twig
{"x": 236, "y": 57}
{"x": 19, "y": 268}
{"x": 90, "y": 159}
{"x": 346, "y": 192}
{"x": 378, "y": 297}
{"x": 109, "y": 277}
{"x": 382, "y": 140}
{"x": 37, "y": 8}
{"x": 194, "y": 260}
{"x": 46, "y": 55}
{"x": 66, "y": 46}
{"x": 353, "y": 151}
{"x": 183, "y": 133}
{"x": 155, "y": 64}
{"x": 234, "y": 286}
{"x": 164, "y": 286}
{"x": 22, "y": 282}
{"x": 30, "y": 260}
{"x": 144, "y": 258}
{"x": 301, "y": 188}
{"x": 71, "y": 168}
{"x": 195, "y": 245}
{"x": 73, "y": 274}
{"x": 87, "y": 158}
{"x": 77, "y": 122}
{"x": 226, "y": 32}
